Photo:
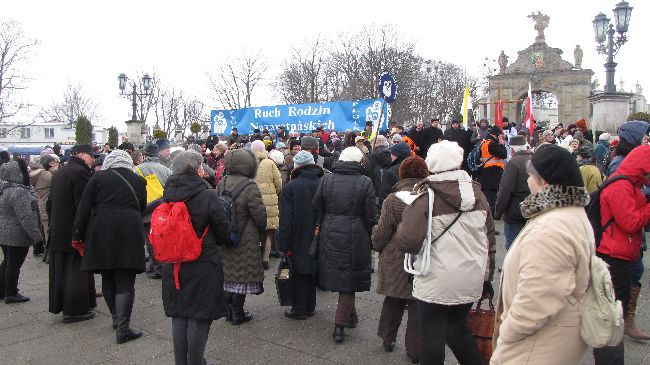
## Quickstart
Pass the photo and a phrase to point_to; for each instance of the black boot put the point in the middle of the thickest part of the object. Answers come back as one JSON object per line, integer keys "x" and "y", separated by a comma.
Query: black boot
{"x": 123, "y": 308}
{"x": 239, "y": 315}
{"x": 354, "y": 320}
{"x": 227, "y": 298}
{"x": 109, "y": 297}
{"x": 339, "y": 334}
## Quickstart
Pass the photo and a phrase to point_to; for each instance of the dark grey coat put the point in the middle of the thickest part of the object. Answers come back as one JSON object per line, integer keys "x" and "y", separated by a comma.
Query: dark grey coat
{"x": 243, "y": 264}
{"x": 347, "y": 200}
{"x": 513, "y": 188}
{"x": 19, "y": 218}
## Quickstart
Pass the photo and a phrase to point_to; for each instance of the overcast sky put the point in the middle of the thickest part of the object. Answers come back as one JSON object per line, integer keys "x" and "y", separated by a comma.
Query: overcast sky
{"x": 91, "y": 42}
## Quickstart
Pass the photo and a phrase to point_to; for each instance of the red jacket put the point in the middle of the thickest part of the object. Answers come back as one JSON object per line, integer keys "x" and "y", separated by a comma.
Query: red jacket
{"x": 627, "y": 204}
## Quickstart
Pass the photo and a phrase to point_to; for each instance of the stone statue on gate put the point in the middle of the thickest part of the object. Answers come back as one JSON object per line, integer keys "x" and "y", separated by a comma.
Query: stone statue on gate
{"x": 577, "y": 55}
{"x": 503, "y": 63}
{"x": 541, "y": 23}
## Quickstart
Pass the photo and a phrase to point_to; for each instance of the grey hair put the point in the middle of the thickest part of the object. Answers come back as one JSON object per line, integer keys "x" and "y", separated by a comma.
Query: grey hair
{"x": 530, "y": 169}
{"x": 519, "y": 148}
{"x": 187, "y": 163}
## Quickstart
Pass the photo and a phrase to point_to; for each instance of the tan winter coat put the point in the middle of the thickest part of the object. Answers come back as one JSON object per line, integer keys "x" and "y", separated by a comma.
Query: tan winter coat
{"x": 269, "y": 181}
{"x": 545, "y": 270}
{"x": 463, "y": 257}
{"x": 41, "y": 180}
{"x": 392, "y": 280}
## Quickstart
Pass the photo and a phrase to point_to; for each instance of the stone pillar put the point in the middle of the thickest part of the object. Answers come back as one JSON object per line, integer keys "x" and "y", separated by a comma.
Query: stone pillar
{"x": 134, "y": 131}
{"x": 610, "y": 111}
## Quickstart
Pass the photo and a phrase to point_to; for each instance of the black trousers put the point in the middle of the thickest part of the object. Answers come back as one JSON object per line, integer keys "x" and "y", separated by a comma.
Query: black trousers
{"x": 491, "y": 197}
{"x": 189, "y": 337}
{"x": 620, "y": 272}
{"x": 390, "y": 320}
{"x": 118, "y": 281}
{"x": 304, "y": 293}
{"x": 445, "y": 324}
{"x": 13, "y": 259}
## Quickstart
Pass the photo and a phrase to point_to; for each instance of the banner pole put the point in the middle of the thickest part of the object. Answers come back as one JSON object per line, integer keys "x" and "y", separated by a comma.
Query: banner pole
{"x": 376, "y": 132}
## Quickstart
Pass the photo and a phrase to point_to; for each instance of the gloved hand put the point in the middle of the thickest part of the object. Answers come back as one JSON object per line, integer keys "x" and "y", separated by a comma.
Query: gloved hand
{"x": 79, "y": 246}
{"x": 488, "y": 290}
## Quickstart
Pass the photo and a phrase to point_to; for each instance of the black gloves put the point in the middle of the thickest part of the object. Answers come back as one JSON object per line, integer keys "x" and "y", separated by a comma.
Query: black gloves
{"x": 488, "y": 290}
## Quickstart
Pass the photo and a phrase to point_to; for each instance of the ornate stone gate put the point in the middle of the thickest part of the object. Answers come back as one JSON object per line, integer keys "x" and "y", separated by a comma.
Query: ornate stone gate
{"x": 545, "y": 69}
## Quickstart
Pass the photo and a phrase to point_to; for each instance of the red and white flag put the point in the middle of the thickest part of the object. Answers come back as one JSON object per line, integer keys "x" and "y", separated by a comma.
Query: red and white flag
{"x": 528, "y": 122}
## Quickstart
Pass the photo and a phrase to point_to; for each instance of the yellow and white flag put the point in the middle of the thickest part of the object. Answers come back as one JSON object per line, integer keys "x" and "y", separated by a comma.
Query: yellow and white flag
{"x": 466, "y": 106}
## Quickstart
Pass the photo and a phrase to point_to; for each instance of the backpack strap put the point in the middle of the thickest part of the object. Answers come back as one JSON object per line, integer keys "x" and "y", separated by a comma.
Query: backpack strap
{"x": 239, "y": 188}
{"x": 129, "y": 185}
{"x": 605, "y": 184}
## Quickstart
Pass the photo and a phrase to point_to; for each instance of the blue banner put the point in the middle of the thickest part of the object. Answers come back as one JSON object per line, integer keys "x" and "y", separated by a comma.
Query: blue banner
{"x": 302, "y": 118}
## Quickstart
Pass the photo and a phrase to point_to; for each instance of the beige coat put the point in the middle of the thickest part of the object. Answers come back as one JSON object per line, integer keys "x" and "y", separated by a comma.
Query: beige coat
{"x": 545, "y": 270}
{"x": 269, "y": 181}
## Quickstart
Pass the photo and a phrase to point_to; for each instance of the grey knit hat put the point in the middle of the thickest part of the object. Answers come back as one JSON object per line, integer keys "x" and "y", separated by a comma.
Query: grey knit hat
{"x": 186, "y": 163}
{"x": 309, "y": 143}
{"x": 302, "y": 158}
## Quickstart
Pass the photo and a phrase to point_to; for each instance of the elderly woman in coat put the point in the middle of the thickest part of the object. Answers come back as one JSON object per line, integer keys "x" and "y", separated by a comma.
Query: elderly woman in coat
{"x": 41, "y": 181}
{"x": 109, "y": 235}
{"x": 393, "y": 281}
{"x": 547, "y": 268}
{"x": 346, "y": 200}
{"x": 461, "y": 260}
{"x": 269, "y": 181}
{"x": 297, "y": 225}
{"x": 200, "y": 299}
{"x": 242, "y": 264}
{"x": 19, "y": 227}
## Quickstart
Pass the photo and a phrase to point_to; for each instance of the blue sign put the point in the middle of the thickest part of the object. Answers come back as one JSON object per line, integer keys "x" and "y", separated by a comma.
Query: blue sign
{"x": 302, "y": 118}
{"x": 387, "y": 87}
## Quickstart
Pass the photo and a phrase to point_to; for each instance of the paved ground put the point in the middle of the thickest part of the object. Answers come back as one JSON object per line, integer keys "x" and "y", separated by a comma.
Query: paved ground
{"x": 31, "y": 335}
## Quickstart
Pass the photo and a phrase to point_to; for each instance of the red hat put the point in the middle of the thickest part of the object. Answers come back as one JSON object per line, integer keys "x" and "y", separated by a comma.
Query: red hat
{"x": 582, "y": 124}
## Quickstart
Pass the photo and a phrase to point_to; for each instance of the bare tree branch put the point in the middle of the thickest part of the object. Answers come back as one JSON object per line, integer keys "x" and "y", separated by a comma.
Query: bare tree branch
{"x": 73, "y": 105}
{"x": 15, "y": 49}
{"x": 235, "y": 80}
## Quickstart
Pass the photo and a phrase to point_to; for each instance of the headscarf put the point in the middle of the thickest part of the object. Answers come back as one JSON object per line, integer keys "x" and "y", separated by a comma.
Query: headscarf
{"x": 118, "y": 159}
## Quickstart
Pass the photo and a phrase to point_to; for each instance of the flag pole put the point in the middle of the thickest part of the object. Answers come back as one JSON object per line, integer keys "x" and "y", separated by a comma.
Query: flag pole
{"x": 376, "y": 132}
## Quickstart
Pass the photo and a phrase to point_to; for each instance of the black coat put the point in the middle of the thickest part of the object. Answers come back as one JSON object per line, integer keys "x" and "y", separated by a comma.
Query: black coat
{"x": 420, "y": 139}
{"x": 201, "y": 282}
{"x": 376, "y": 161}
{"x": 347, "y": 200}
{"x": 432, "y": 135}
{"x": 109, "y": 221}
{"x": 65, "y": 194}
{"x": 297, "y": 217}
{"x": 390, "y": 178}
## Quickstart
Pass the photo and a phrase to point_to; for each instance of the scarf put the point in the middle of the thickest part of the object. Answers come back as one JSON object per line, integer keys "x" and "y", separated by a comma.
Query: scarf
{"x": 552, "y": 197}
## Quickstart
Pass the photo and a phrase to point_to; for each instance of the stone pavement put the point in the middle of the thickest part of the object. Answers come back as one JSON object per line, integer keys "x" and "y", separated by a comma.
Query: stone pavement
{"x": 29, "y": 334}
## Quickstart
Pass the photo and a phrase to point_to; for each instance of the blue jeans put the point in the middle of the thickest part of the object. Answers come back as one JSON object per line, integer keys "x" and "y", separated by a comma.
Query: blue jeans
{"x": 636, "y": 270}
{"x": 511, "y": 232}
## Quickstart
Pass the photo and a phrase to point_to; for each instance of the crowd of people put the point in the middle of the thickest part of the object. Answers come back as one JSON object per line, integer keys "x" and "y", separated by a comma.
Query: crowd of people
{"x": 331, "y": 202}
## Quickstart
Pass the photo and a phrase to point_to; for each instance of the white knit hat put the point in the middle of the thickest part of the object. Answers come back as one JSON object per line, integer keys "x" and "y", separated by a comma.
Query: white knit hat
{"x": 351, "y": 154}
{"x": 444, "y": 156}
{"x": 277, "y": 157}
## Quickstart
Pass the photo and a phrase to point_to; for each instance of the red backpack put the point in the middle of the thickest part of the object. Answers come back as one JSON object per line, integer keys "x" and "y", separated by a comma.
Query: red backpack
{"x": 173, "y": 237}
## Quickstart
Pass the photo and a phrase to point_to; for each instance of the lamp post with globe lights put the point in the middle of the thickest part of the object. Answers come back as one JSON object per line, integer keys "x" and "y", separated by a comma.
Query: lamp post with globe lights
{"x": 607, "y": 44}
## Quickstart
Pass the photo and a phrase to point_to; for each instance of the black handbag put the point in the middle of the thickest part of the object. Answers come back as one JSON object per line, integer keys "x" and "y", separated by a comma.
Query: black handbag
{"x": 284, "y": 282}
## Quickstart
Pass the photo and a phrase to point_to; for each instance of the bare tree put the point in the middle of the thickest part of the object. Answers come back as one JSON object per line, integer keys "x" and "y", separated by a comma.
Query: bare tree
{"x": 168, "y": 109}
{"x": 304, "y": 79}
{"x": 235, "y": 80}
{"x": 73, "y": 105}
{"x": 193, "y": 111}
{"x": 15, "y": 49}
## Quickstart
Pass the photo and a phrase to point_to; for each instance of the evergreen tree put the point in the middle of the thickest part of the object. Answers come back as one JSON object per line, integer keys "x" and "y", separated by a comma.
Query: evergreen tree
{"x": 83, "y": 131}
{"x": 113, "y": 137}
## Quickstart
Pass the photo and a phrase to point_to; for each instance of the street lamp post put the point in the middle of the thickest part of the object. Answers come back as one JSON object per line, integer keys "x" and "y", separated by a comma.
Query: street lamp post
{"x": 604, "y": 31}
{"x": 146, "y": 83}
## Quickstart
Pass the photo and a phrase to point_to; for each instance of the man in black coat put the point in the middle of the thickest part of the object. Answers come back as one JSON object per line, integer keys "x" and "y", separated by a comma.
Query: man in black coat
{"x": 432, "y": 135}
{"x": 513, "y": 189}
{"x": 457, "y": 134}
{"x": 72, "y": 291}
{"x": 398, "y": 152}
{"x": 297, "y": 224}
{"x": 419, "y": 135}
{"x": 376, "y": 162}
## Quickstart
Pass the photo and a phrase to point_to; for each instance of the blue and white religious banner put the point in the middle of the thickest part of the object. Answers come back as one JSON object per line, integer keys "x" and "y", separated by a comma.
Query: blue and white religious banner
{"x": 303, "y": 118}
{"x": 387, "y": 86}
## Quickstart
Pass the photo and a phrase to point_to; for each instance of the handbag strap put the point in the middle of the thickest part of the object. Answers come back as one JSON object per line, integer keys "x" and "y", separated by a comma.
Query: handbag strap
{"x": 319, "y": 217}
{"x": 130, "y": 186}
{"x": 490, "y": 303}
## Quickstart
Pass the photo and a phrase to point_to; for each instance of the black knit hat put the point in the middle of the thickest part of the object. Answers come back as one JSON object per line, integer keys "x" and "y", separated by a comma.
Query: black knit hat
{"x": 496, "y": 131}
{"x": 557, "y": 166}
